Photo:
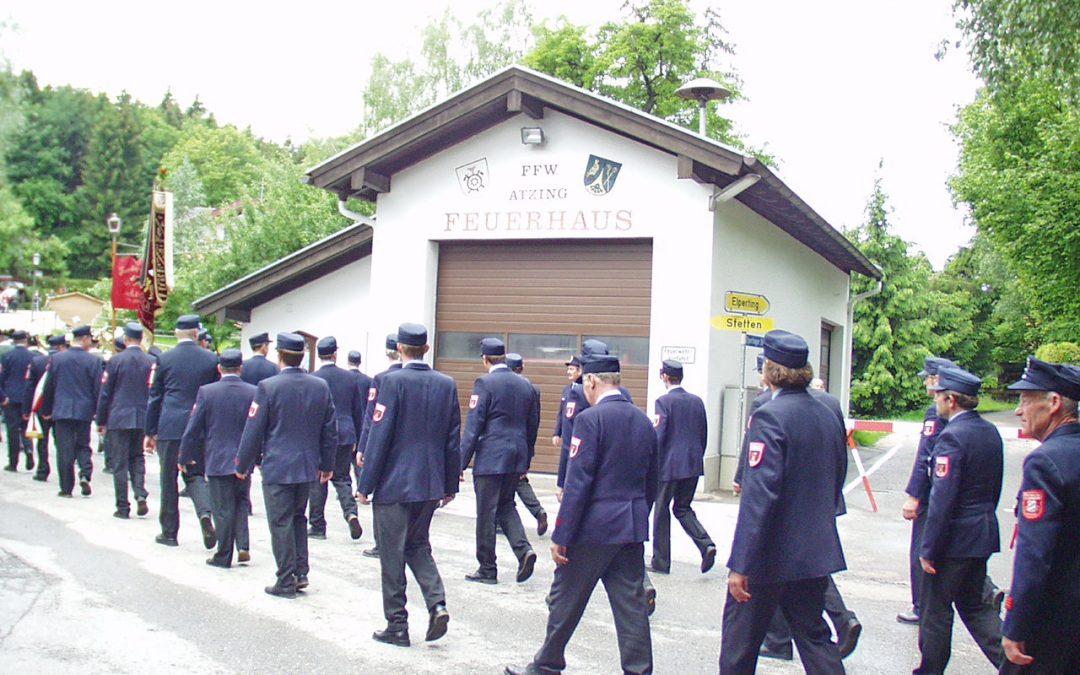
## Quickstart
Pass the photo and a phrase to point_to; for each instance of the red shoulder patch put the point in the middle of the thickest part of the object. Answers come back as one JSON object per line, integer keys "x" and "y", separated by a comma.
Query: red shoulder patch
{"x": 380, "y": 410}
{"x": 570, "y": 409}
{"x": 941, "y": 467}
{"x": 473, "y": 400}
{"x": 755, "y": 453}
{"x": 104, "y": 376}
{"x": 575, "y": 446}
{"x": 929, "y": 427}
{"x": 253, "y": 410}
{"x": 372, "y": 393}
{"x": 1033, "y": 504}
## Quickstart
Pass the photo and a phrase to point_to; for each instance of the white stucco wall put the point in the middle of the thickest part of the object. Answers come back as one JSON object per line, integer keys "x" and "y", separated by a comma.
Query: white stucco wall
{"x": 751, "y": 255}
{"x": 337, "y": 304}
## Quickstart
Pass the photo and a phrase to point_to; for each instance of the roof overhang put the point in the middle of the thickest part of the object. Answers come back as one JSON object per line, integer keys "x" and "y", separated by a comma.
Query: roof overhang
{"x": 235, "y": 301}
{"x": 367, "y": 169}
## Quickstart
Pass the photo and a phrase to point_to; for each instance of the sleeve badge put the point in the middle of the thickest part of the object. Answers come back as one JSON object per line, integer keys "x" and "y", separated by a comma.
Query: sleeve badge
{"x": 1033, "y": 504}
{"x": 150, "y": 377}
{"x": 473, "y": 400}
{"x": 755, "y": 453}
{"x": 570, "y": 406}
{"x": 941, "y": 467}
{"x": 575, "y": 446}
{"x": 929, "y": 427}
{"x": 380, "y": 410}
{"x": 253, "y": 410}
{"x": 104, "y": 376}
{"x": 372, "y": 393}
{"x": 657, "y": 420}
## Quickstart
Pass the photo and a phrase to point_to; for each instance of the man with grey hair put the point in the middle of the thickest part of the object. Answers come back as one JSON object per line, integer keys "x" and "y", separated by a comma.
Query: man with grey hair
{"x": 174, "y": 383}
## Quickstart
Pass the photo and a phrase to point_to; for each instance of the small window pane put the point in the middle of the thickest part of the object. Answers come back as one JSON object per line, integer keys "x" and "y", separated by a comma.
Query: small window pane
{"x": 632, "y": 351}
{"x": 460, "y": 345}
{"x": 543, "y": 347}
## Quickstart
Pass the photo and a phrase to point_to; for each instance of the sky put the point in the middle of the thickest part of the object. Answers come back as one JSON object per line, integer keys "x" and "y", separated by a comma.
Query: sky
{"x": 834, "y": 87}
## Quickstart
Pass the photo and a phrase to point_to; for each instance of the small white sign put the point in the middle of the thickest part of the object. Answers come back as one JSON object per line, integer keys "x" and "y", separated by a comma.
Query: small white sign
{"x": 683, "y": 355}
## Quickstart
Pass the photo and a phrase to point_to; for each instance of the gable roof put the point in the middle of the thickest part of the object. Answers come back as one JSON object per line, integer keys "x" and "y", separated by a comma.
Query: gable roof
{"x": 366, "y": 169}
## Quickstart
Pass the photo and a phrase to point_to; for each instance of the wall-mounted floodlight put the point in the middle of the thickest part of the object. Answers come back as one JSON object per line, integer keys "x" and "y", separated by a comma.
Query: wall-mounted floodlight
{"x": 733, "y": 189}
{"x": 532, "y": 135}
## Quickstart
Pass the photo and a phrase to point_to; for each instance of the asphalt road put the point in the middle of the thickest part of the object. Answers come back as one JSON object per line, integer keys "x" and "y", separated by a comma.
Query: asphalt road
{"x": 80, "y": 589}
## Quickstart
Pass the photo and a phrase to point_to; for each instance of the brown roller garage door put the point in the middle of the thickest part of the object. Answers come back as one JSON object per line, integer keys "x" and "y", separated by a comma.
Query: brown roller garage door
{"x": 544, "y": 298}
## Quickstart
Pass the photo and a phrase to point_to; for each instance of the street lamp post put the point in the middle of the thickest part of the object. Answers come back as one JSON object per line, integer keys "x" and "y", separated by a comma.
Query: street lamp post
{"x": 114, "y": 222}
{"x": 36, "y": 259}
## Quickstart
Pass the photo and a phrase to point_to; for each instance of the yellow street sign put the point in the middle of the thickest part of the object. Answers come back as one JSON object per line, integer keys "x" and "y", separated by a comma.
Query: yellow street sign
{"x": 746, "y": 303}
{"x": 743, "y": 324}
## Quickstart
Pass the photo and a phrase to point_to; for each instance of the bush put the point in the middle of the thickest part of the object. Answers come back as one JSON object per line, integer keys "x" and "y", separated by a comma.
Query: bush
{"x": 1059, "y": 352}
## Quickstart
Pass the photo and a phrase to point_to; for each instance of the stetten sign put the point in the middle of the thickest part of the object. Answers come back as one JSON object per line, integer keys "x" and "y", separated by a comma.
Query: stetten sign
{"x": 743, "y": 324}
{"x": 745, "y": 303}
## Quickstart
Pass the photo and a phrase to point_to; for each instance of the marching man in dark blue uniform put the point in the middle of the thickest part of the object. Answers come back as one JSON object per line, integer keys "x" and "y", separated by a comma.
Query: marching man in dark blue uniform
{"x": 121, "y": 419}
{"x": 174, "y": 383}
{"x": 212, "y": 438}
{"x": 69, "y": 399}
{"x": 258, "y": 367}
{"x": 349, "y": 403}
{"x": 291, "y": 427}
{"x": 14, "y": 365}
{"x": 34, "y": 373}
{"x": 365, "y": 429}
{"x": 524, "y": 490}
{"x": 500, "y": 432}
{"x": 603, "y": 523}
{"x": 786, "y": 544}
{"x": 411, "y": 464}
{"x": 961, "y": 530}
{"x": 918, "y": 487}
{"x": 1042, "y": 622}
{"x": 681, "y": 435}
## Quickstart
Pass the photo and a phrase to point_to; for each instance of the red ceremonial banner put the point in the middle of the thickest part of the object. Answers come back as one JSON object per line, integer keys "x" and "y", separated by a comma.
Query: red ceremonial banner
{"x": 126, "y": 292}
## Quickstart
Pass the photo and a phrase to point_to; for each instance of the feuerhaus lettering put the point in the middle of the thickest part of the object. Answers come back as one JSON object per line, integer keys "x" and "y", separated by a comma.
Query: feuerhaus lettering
{"x": 538, "y": 221}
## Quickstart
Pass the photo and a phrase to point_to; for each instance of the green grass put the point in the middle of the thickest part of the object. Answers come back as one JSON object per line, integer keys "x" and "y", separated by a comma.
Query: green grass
{"x": 987, "y": 404}
{"x": 868, "y": 439}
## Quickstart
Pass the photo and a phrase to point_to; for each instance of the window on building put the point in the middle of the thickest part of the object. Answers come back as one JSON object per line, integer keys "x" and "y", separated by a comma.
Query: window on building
{"x": 455, "y": 345}
{"x": 543, "y": 347}
{"x": 631, "y": 351}
{"x": 826, "y": 349}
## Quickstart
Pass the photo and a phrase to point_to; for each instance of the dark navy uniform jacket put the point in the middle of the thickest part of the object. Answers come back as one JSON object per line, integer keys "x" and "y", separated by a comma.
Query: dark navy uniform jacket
{"x": 611, "y": 477}
{"x": 174, "y": 383}
{"x": 573, "y": 406}
{"x": 33, "y": 375}
{"x": 919, "y": 484}
{"x": 760, "y": 400}
{"x": 13, "y": 368}
{"x": 562, "y": 407}
{"x": 212, "y": 435}
{"x": 501, "y": 427}
{"x": 125, "y": 389}
{"x": 961, "y": 518}
{"x": 72, "y": 385}
{"x": 257, "y": 368}
{"x": 372, "y": 393}
{"x": 412, "y": 452}
{"x": 349, "y": 401}
{"x": 681, "y": 435}
{"x": 795, "y": 468}
{"x": 1046, "y": 566}
{"x": 291, "y": 426}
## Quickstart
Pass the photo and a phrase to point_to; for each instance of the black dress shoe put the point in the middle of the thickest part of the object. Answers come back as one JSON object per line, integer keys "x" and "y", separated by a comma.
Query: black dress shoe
{"x": 302, "y": 582}
{"x": 141, "y": 508}
{"x": 437, "y": 621}
{"x": 708, "y": 559}
{"x": 63, "y": 494}
{"x": 371, "y": 552}
{"x": 392, "y": 637}
{"x": 659, "y": 570}
{"x": 40, "y": 478}
{"x": 525, "y": 567}
{"x": 852, "y": 631}
{"x": 312, "y": 533}
{"x": 650, "y": 598}
{"x": 122, "y": 515}
{"x": 11, "y": 468}
{"x": 355, "y": 530}
{"x": 910, "y": 618}
{"x": 209, "y": 537}
{"x": 214, "y": 562}
{"x": 279, "y": 592}
{"x": 541, "y": 524}
{"x": 531, "y": 669}
{"x": 165, "y": 541}
{"x": 481, "y": 578}
{"x": 782, "y": 654}
{"x": 84, "y": 486}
